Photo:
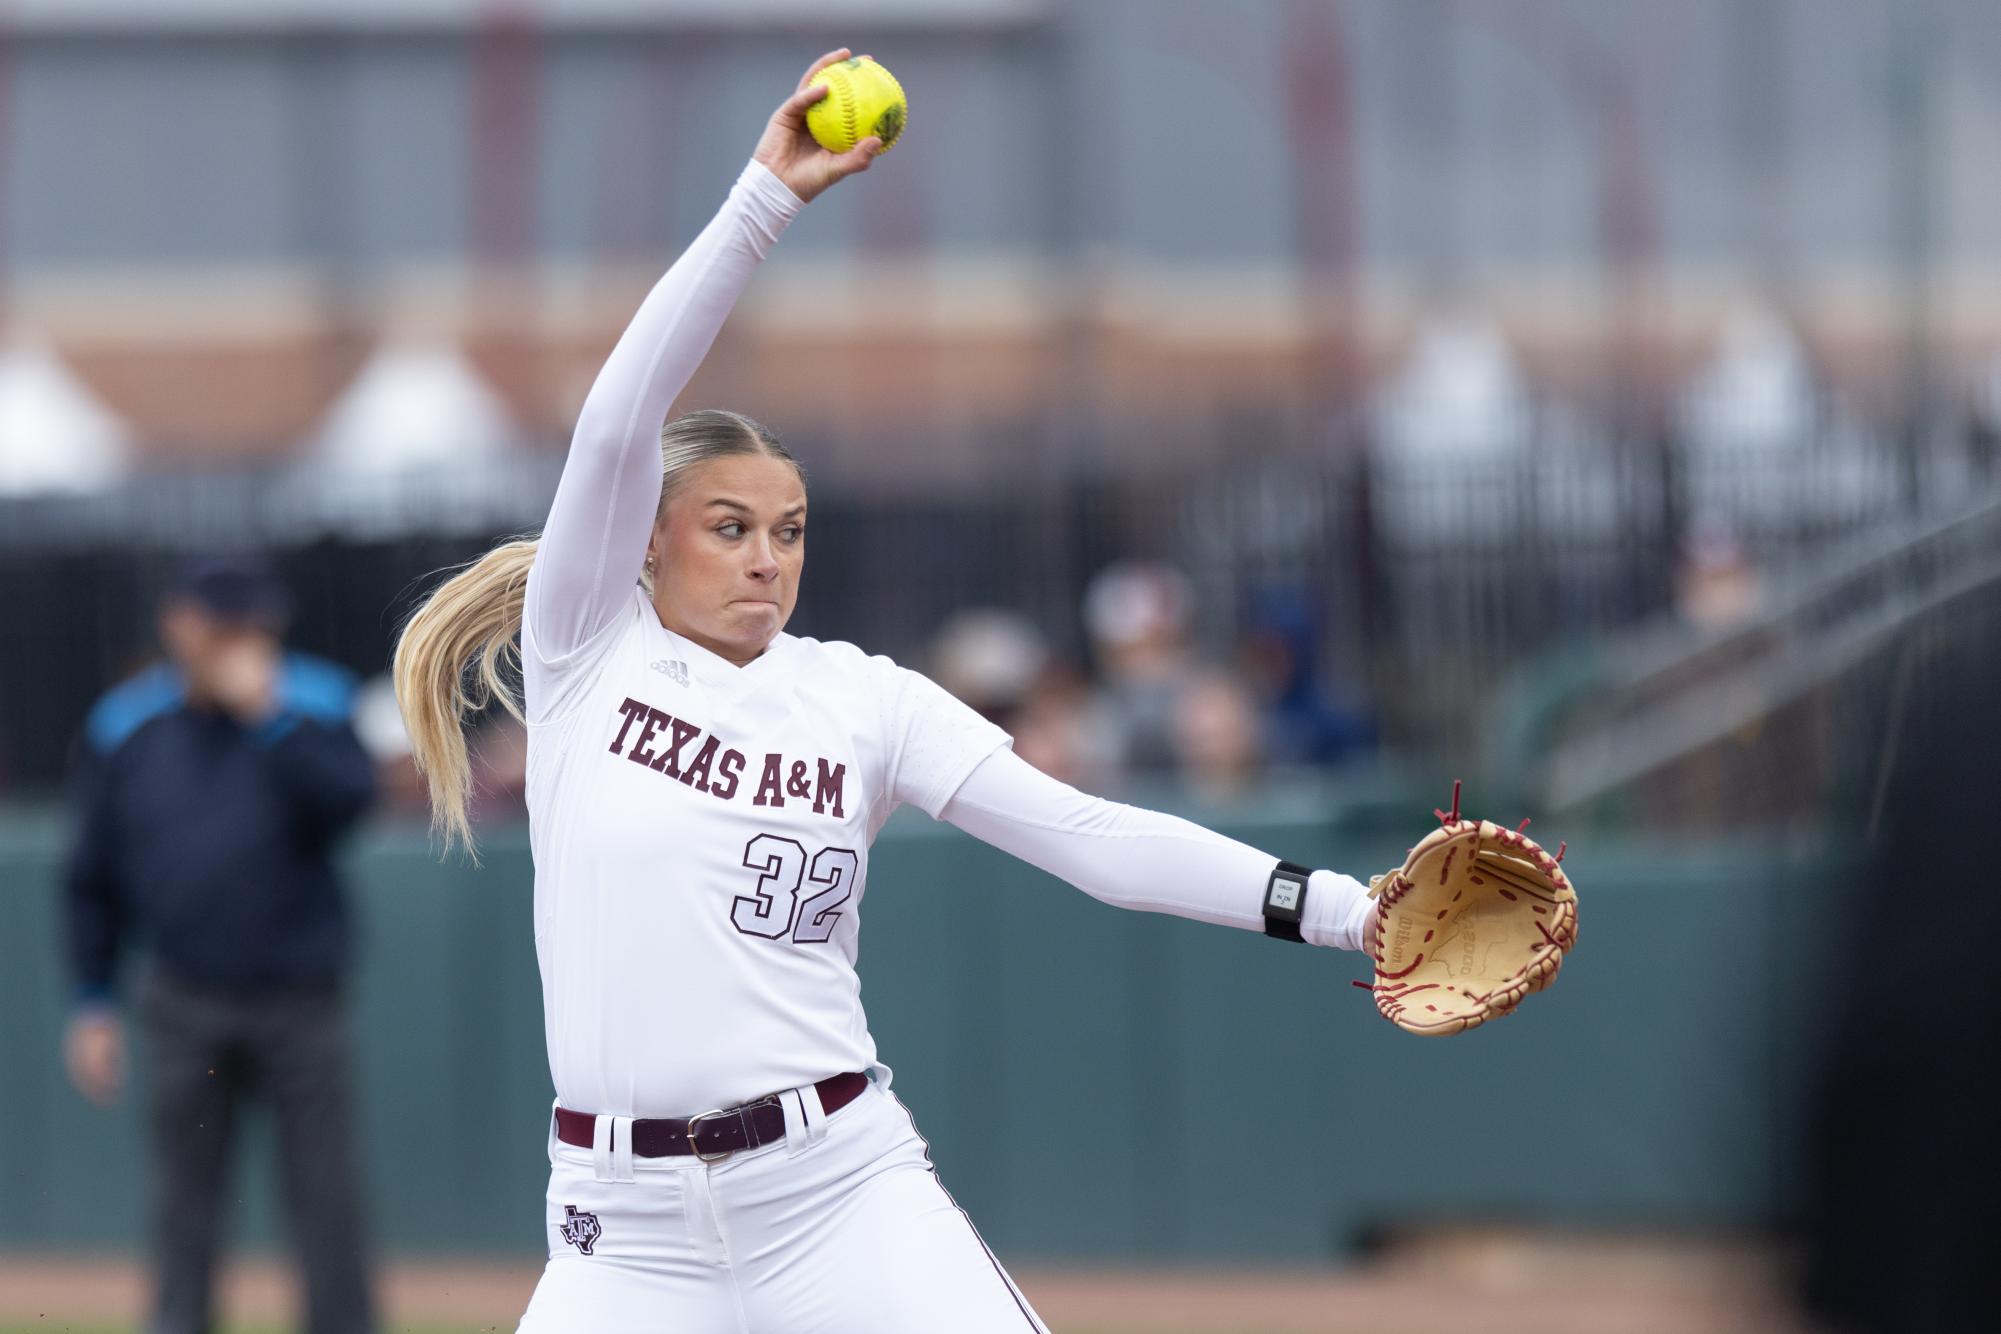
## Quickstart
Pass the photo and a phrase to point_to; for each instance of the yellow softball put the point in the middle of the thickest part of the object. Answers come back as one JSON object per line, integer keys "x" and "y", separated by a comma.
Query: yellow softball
{"x": 862, "y": 99}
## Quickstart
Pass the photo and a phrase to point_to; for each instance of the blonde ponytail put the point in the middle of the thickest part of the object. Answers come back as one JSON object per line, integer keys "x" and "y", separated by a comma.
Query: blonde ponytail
{"x": 457, "y": 655}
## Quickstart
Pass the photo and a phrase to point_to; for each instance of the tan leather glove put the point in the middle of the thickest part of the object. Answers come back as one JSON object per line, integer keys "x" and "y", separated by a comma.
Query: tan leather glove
{"x": 1475, "y": 919}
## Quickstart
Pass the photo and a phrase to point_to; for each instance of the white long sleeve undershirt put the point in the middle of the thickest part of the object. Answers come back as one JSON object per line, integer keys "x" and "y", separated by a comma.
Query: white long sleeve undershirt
{"x": 1134, "y": 858}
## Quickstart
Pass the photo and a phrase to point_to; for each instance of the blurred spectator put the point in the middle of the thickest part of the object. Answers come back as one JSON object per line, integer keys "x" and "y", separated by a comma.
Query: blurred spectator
{"x": 996, "y": 661}
{"x": 1304, "y": 723}
{"x": 1165, "y": 714}
{"x": 1217, "y": 739}
{"x": 211, "y": 792}
{"x": 1137, "y": 614}
{"x": 1057, "y": 730}
{"x": 990, "y": 659}
{"x": 1717, "y": 585}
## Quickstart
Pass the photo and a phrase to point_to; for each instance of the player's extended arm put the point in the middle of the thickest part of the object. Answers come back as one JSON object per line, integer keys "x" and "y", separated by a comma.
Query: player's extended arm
{"x": 603, "y": 512}
{"x": 1136, "y": 858}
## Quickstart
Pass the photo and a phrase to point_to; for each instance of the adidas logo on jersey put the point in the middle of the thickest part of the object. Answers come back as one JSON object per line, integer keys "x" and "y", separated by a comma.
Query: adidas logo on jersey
{"x": 674, "y": 670}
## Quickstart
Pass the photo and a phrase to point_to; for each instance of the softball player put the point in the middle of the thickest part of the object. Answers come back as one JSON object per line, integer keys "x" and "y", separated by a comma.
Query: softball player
{"x": 726, "y": 1154}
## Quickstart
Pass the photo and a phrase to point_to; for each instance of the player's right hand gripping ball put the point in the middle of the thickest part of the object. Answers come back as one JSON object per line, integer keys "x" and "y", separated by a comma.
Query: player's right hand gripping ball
{"x": 862, "y": 99}
{"x": 1475, "y": 919}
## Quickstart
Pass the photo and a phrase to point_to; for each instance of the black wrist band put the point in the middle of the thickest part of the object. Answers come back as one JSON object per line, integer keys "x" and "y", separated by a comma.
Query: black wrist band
{"x": 1285, "y": 901}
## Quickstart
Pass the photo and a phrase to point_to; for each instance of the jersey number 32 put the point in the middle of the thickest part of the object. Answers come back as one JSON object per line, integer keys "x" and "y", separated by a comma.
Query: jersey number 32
{"x": 774, "y": 910}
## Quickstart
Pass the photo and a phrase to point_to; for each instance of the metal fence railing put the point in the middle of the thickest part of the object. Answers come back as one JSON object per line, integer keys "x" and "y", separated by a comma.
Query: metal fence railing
{"x": 1797, "y": 713}
{"x": 1426, "y": 581}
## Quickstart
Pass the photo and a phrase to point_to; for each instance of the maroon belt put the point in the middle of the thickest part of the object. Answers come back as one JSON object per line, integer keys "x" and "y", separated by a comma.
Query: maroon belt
{"x": 712, "y": 1136}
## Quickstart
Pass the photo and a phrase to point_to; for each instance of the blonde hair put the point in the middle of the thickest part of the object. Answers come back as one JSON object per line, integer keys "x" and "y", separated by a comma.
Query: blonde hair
{"x": 459, "y": 653}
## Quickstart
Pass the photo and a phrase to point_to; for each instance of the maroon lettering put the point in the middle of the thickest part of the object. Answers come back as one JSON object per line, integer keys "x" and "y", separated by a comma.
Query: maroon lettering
{"x": 669, "y": 762}
{"x": 730, "y": 769}
{"x": 632, "y": 709}
{"x": 655, "y": 720}
{"x": 770, "y": 788}
{"x": 795, "y": 782}
{"x": 697, "y": 775}
{"x": 833, "y": 778}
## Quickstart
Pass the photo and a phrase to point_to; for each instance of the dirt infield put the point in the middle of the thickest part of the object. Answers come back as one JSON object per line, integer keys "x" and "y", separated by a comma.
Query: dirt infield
{"x": 1499, "y": 1283}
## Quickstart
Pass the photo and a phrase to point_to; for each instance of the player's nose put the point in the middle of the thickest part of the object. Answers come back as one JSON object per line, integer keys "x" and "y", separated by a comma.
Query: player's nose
{"x": 763, "y": 561}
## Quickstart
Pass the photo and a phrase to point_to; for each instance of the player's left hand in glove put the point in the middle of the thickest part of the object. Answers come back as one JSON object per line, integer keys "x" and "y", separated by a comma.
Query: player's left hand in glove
{"x": 1476, "y": 918}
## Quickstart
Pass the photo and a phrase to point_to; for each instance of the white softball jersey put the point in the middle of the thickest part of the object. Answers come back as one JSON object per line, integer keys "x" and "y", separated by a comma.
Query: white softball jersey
{"x": 701, "y": 831}
{"x": 706, "y": 830}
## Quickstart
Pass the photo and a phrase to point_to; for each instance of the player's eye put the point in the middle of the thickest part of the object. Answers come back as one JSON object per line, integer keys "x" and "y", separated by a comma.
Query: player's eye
{"x": 791, "y": 533}
{"x": 731, "y": 528}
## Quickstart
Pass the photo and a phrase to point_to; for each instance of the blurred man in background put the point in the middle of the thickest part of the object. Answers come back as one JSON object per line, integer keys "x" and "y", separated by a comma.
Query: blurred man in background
{"x": 211, "y": 793}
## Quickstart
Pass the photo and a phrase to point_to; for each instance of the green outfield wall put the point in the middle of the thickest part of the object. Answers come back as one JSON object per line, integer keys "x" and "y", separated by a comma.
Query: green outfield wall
{"x": 1095, "y": 1084}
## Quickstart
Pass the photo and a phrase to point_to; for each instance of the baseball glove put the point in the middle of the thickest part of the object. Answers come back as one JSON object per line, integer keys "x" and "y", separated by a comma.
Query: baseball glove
{"x": 1476, "y": 918}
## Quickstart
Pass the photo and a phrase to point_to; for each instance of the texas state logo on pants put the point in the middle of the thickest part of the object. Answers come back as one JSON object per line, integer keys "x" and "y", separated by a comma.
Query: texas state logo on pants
{"x": 580, "y": 1229}
{"x": 840, "y": 1228}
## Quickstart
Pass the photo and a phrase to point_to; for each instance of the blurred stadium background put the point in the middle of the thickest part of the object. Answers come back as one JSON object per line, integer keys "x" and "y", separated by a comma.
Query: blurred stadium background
{"x": 1270, "y": 409}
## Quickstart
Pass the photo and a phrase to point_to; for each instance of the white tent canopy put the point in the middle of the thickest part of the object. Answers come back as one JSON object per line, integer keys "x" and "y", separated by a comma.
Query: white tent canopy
{"x": 416, "y": 405}
{"x": 1757, "y": 390}
{"x": 1762, "y": 449}
{"x": 1461, "y": 392}
{"x": 54, "y": 434}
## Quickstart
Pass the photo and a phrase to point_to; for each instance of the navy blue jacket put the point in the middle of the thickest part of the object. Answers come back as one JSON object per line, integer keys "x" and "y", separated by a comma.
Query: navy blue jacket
{"x": 211, "y": 842}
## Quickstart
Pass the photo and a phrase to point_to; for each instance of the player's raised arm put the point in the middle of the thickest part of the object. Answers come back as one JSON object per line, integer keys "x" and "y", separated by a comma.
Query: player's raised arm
{"x": 561, "y": 591}
{"x": 598, "y": 524}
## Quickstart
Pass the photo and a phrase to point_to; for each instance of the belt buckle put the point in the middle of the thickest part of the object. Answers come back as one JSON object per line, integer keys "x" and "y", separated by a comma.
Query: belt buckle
{"x": 740, "y": 1109}
{"x": 695, "y": 1121}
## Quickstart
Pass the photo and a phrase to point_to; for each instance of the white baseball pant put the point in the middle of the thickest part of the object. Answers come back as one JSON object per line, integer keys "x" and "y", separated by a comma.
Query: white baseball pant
{"x": 842, "y": 1227}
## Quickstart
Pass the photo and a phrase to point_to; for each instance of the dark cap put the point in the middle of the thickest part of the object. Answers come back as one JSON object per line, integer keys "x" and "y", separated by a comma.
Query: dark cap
{"x": 232, "y": 587}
